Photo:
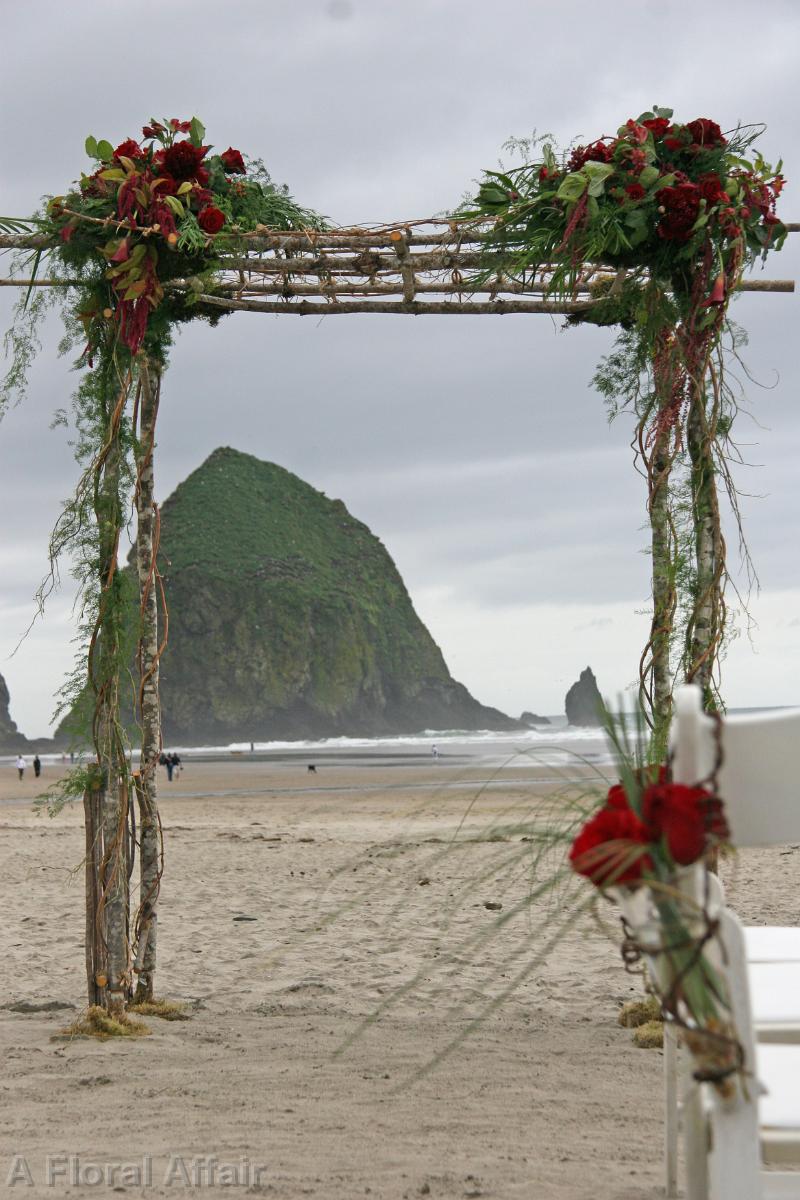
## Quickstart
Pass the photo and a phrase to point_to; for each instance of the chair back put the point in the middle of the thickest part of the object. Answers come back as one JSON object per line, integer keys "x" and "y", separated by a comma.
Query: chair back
{"x": 759, "y": 774}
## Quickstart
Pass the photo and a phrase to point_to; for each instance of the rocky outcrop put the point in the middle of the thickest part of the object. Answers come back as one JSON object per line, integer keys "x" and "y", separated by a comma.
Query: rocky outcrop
{"x": 583, "y": 701}
{"x": 532, "y": 720}
{"x": 10, "y": 737}
{"x": 288, "y": 619}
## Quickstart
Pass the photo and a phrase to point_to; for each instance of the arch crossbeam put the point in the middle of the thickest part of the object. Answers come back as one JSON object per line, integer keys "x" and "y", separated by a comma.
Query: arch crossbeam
{"x": 434, "y": 266}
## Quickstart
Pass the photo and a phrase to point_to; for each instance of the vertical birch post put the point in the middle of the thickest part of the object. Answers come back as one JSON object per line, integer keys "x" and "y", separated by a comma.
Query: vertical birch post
{"x": 663, "y": 588}
{"x": 93, "y": 943}
{"x": 149, "y": 649}
{"x": 705, "y": 627}
{"x": 112, "y": 977}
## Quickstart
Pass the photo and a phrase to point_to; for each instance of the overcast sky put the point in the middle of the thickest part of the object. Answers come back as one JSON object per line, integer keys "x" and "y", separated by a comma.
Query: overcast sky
{"x": 473, "y": 447}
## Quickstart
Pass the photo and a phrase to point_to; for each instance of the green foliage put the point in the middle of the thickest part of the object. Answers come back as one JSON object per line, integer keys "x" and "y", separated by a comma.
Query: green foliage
{"x": 69, "y": 788}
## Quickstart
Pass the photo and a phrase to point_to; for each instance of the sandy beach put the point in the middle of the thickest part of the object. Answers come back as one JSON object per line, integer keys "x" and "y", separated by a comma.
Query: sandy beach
{"x": 293, "y": 906}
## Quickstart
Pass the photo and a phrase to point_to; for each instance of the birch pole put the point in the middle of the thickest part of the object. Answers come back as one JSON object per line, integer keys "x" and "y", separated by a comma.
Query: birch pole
{"x": 149, "y": 650}
{"x": 704, "y": 633}
{"x": 656, "y": 673}
{"x": 112, "y": 977}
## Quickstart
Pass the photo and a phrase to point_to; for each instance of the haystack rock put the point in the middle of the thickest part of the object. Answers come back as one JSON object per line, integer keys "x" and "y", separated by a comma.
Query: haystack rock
{"x": 583, "y": 702}
{"x": 288, "y": 619}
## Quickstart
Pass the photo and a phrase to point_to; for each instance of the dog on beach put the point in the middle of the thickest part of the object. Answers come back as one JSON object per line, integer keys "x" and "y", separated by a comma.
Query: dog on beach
{"x": 312, "y": 768}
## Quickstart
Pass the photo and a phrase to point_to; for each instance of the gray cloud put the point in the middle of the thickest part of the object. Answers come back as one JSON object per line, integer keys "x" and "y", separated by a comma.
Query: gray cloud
{"x": 475, "y": 447}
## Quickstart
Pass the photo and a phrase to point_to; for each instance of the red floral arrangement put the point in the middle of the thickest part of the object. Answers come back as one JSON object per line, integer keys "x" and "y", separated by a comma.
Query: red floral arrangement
{"x": 645, "y": 832}
{"x": 157, "y": 209}
{"x": 659, "y": 195}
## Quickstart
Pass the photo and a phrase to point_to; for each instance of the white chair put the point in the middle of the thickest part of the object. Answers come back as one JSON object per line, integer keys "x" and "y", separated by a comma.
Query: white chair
{"x": 726, "y": 1145}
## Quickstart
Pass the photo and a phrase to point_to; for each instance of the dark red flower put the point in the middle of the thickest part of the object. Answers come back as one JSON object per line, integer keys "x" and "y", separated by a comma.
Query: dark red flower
{"x": 211, "y": 219}
{"x": 202, "y": 176}
{"x": 233, "y": 162}
{"x": 167, "y": 186}
{"x": 677, "y": 138}
{"x": 617, "y": 797}
{"x": 597, "y": 152}
{"x": 706, "y": 133}
{"x": 635, "y": 191}
{"x": 712, "y": 189}
{"x": 658, "y": 126}
{"x": 680, "y": 207}
{"x": 609, "y": 848}
{"x": 688, "y": 818}
{"x": 128, "y": 149}
{"x": 182, "y": 161}
{"x": 636, "y": 131}
{"x": 151, "y": 131}
{"x": 180, "y": 126}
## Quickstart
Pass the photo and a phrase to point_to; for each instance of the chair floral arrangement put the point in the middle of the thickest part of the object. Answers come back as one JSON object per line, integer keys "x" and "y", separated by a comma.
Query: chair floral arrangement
{"x": 647, "y": 847}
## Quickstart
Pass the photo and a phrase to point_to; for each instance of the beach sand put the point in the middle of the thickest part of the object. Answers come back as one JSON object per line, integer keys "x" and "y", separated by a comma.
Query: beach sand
{"x": 546, "y": 1099}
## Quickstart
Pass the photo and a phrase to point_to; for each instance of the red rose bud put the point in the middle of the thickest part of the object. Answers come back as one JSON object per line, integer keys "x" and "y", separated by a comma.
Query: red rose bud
{"x": 180, "y": 126}
{"x": 128, "y": 149}
{"x": 233, "y": 162}
{"x": 211, "y": 219}
{"x": 744, "y": 212}
{"x": 658, "y": 126}
{"x": 635, "y": 191}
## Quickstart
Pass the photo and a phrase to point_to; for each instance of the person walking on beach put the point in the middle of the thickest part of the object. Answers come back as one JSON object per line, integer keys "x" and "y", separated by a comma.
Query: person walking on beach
{"x": 177, "y": 765}
{"x": 37, "y": 766}
{"x": 21, "y": 765}
{"x": 435, "y": 751}
{"x": 169, "y": 764}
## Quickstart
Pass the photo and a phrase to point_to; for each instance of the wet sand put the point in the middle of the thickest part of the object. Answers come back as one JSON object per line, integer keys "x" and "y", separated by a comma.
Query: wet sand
{"x": 353, "y": 886}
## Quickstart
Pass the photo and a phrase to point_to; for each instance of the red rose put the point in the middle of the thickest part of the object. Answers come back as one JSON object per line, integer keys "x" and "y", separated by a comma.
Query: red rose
{"x": 658, "y": 126}
{"x": 211, "y": 219}
{"x": 233, "y": 162}
{"x": 686, "y": 817}
{"x": 182, "y": 161}
{"x": 202, "y": 176}
{"x": 597, "y": 152}
{"x": 706, "y": 133}
{"x": 636, "y": 131}
{"x": 677, "y": 137}
{"x": 128, "y": 149}
{"x": 608, "y": 850}
{"x": 680, "y": 208}
{"x": 635, "y": 191}
{"x": 712, "y": 190}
